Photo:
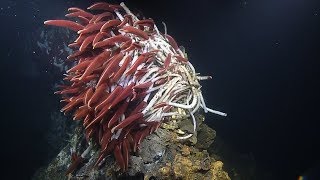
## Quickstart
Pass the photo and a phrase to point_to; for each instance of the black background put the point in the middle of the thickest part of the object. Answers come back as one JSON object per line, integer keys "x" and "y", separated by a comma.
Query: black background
{"x": 263, "y": 56}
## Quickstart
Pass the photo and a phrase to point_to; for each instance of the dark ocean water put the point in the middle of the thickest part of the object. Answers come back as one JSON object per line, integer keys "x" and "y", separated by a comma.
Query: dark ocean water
{"x": 263, "y": 56}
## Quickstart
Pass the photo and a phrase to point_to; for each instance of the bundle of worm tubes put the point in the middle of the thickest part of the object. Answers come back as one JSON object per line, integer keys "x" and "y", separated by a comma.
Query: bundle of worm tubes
{"x": 128, "y": 78}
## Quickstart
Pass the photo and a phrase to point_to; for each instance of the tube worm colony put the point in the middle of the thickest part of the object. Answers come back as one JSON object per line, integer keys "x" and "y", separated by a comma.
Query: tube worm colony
{"x": 128, "y": 78}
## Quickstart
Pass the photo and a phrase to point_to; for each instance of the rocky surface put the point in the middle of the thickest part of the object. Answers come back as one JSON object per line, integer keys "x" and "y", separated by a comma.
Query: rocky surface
{"x": 161, "y": 156}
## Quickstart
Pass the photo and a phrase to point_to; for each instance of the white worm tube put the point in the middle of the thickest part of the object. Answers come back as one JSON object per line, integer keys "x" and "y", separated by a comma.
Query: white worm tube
{"x": 217, "y": 112}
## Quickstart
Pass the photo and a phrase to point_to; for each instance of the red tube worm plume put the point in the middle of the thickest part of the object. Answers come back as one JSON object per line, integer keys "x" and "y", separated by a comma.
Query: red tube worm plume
{"x": 128, "y": 78}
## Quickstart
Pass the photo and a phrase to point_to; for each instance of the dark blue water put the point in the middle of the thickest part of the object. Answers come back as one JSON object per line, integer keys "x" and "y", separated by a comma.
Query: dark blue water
{"x": 263, "y": 55}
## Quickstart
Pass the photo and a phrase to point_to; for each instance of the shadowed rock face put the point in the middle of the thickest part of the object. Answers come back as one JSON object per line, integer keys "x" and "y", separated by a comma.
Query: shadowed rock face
{"x": 161, "y": 156}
